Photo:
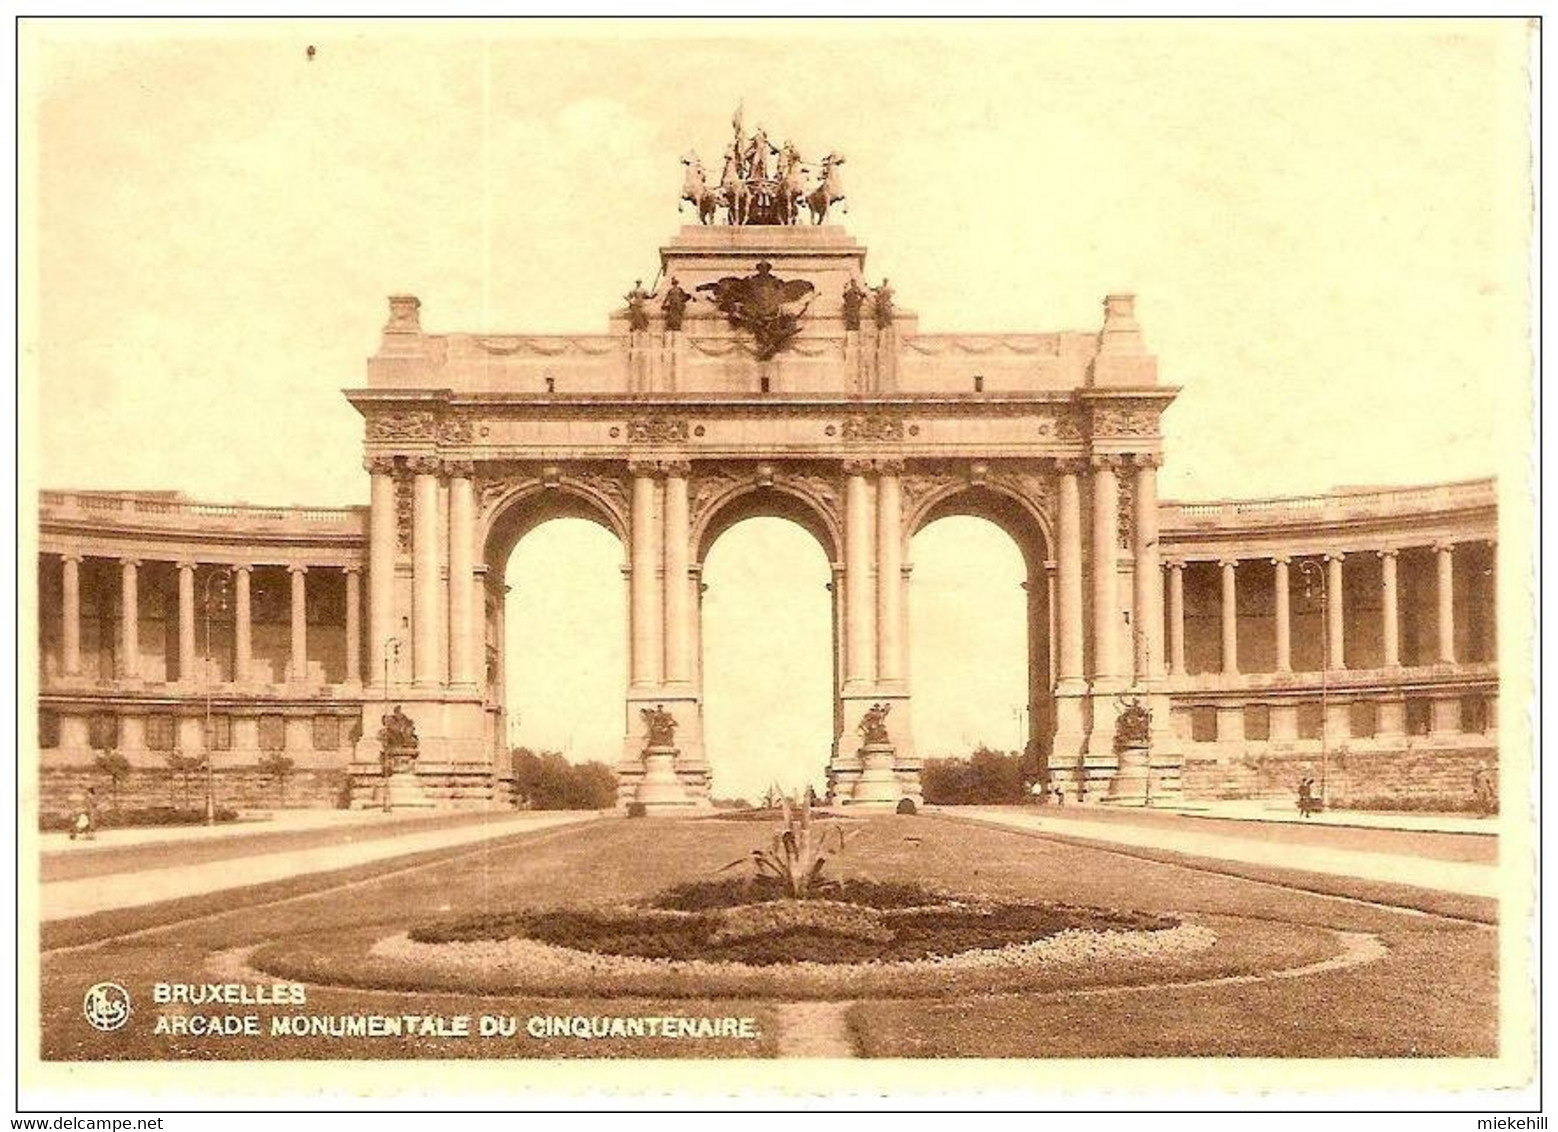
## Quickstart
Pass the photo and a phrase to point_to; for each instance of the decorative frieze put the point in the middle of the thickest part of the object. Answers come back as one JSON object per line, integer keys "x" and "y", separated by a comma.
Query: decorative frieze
{"x": 658, "y": 430}
{"x": 873, "y": 427}
{"x": 403, "y": 426}
{"x": 1124, "y": 420}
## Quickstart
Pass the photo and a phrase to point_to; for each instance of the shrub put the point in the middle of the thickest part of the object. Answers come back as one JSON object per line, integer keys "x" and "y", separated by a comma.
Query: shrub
{"x": 116, "y": 768}
{"x": 278, "y": 768}
{"x": 986, "y": 777}
{"x": 547, "y": 781}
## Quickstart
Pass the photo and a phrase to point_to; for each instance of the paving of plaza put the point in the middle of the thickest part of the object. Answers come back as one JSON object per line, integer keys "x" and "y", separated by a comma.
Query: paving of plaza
{"x": 170, "y": 877}
{"x": 1255, "y": 845}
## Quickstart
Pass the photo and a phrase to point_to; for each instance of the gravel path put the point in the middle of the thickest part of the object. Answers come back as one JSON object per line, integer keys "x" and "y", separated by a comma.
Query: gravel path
{"x": 815, "y": 1029}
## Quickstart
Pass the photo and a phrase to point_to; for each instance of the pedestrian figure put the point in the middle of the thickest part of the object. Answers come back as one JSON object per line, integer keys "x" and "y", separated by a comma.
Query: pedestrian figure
{"x": 85, "y": 824}
{"x": 1308, "y": 801}
{"x": 1484, "y": 796}
{"x": 1060, "y": 795}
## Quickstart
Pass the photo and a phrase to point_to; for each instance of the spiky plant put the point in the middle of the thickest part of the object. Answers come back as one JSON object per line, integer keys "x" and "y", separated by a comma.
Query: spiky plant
{"x": 798, "y": 853}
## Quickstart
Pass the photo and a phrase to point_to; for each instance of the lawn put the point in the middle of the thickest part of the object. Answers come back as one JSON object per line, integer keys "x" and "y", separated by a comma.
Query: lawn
{"x": 1433, "y": 994}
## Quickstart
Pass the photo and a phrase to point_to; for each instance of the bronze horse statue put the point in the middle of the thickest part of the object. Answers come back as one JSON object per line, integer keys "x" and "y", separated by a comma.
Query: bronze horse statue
{"x": 830, "y": 188}
{"x": 696, "y": 191}
{"x": 733, "y": 188}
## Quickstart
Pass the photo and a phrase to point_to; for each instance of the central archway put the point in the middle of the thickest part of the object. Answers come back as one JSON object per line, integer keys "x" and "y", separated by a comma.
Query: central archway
{"x": 768, "y": 642}
{"x": 769, "y": 718}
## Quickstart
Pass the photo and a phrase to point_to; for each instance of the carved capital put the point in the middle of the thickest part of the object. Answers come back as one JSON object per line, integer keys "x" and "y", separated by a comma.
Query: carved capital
{"x": 186, "y": 564}
{"x": 241, "y": 568}
{"x": 1281, "y": 559}
{"x": 644, "y": 467}
{"x": 1071, "y": 465}
{"x": 424, "y": 465}
{"x": 130, "y": 562}
{"x": 72, "y": 556}
{"x": 356, "y": 569}
{"x": 1388, "y": 552}
{"x": 1334, "y": 555}
{"x": 296, "y": 568}
{"x": 1174, "y": 563}
{"x": 890, "y": 467}
{"x": 1228, "y": 563}
{"x": 859, "y": 467}
{"x": 379, "y": 465}
{"x": 460, "y": 469}
{"x": 1146, "y": 459}
{"x": 1443, "y": 546}
{"x": 1112, "y": 461}
{"x": 681, "y": 469}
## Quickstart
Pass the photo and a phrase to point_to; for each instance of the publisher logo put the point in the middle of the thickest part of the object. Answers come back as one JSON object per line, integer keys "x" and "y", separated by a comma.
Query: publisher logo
{"x": 107, "y": 1006}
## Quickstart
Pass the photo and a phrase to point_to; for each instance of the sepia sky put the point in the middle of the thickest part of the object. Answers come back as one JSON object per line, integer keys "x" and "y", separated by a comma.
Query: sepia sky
{"x": 1325, "y": 223}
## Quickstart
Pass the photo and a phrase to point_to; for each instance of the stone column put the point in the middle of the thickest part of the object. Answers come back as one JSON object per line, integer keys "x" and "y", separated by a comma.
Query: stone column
{"x": 129, "y": 620}
{"x": 859, "y": 633}
{"x": 678, "y": 533}
{"x": 426, "y": 571}
{"x": 186, "y": 621}
{"x": 353, "y": 625}
{"x": 1390, "y": 615}
{"x": 1147, "y": 595}
{"x": 1335, "y": 623}
{"x": 643, "y": 571}
{"x": 1070, "y": 687}
{"x": 382, "y": 538}
{"x": 1281, "y": 594}
{"x": 1176, "y": 617}
{"x": 1069, "y": 576}
{"x": 243, "y": 647}
{"x": 1444, "y": 555}
{"x": 70, "y": 567}
{"x": 1106, "y": 593}
{"x": 1230, "y": 616}
{"x": 889, "y": 571}
{"x": 297, "y": 662}
{"x": 462, "y": 577}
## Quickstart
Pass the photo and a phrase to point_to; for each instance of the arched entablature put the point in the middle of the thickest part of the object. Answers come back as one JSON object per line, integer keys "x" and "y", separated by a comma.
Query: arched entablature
{"x": 513, "y": 506}
{"x": 1013, "y": 508}
{"x": 811, "y": 506}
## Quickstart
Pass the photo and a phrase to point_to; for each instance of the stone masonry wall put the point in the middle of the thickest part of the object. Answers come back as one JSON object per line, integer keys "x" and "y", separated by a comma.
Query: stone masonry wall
{"x": 1418, "y": 777}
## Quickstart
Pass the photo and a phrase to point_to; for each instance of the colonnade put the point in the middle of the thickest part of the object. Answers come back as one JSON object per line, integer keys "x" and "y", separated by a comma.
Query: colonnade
{"x": 1326, "y": 571}
{"x": 237, "y": 577}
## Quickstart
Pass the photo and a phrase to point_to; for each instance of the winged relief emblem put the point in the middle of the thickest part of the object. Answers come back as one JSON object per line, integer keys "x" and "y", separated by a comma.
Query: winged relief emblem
{"x": 770, "y": 307}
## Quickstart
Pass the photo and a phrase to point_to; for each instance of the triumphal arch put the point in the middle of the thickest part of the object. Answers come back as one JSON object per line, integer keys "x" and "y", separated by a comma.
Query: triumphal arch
{"x": 765, "y": 373}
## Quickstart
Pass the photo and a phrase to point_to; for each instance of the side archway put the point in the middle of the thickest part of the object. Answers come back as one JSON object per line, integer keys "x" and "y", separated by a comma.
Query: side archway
{"x": 563, "y": 534}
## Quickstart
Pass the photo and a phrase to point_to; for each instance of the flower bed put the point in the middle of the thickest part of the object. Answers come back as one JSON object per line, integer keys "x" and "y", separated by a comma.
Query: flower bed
{"x": 791, "y": 931}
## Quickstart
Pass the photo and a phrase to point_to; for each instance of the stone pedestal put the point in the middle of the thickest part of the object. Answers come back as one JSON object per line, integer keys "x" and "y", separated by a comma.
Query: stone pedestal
{"x": 402, "y": 788}
{"x": 661, "y": 790}
{"x": 877, "y": 787}
{"x": 1131, "y": 782}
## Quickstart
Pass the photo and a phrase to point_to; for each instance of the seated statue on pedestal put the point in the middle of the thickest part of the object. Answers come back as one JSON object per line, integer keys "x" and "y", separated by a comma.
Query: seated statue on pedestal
{"x": 873, "y": 726}
{"x": 397, "y": 738}
{"x": 661, "y": 726}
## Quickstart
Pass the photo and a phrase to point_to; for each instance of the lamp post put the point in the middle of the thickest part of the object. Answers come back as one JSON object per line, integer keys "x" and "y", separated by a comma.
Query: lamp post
{"x": 1314, "y": 582}
{"x": 391, "y": 651}
{"x": 221, "y": 576}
